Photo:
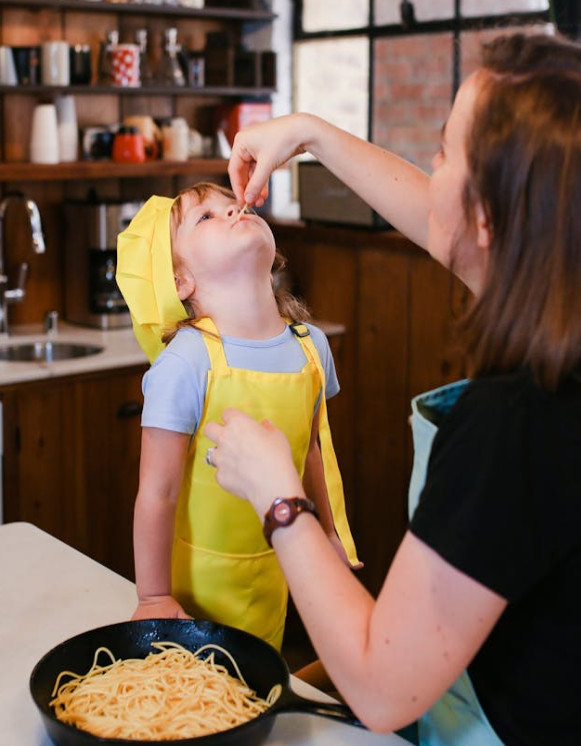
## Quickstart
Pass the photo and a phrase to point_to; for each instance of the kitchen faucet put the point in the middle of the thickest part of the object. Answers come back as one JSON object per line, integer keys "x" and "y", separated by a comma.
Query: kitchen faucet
{"x": 17, "y": 294}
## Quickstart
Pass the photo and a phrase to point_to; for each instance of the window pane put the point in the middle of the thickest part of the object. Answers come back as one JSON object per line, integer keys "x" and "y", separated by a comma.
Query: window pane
{"x": 412, "y": 94}
{"x": 387, "y": 11}
{"x": 332, "y": 80}
{"x": 332, "y": 15}
{"x": 497, "y": 7}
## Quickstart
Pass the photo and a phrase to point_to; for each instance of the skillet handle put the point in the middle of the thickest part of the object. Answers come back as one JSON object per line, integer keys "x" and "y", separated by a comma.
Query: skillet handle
{"x": 291, "y": 702}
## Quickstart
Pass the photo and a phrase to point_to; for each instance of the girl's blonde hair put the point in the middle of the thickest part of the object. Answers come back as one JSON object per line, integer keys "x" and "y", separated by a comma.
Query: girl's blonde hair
{"x": 289, "y": 306}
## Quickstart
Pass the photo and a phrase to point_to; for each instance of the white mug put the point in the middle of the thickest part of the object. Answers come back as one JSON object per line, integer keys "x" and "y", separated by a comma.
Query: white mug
{"x": 55, "y": 64}
{"x": 7, "y": 67}
{"x": 44, "y": 139}
{"x": 68, "y": 131}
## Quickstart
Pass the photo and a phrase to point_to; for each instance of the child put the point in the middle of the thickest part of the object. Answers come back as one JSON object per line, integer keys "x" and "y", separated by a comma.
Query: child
{"x": 199, "y": 550}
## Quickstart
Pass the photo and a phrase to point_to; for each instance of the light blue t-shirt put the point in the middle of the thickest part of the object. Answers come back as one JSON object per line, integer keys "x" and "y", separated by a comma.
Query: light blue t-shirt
{"x": 175, "y": 386}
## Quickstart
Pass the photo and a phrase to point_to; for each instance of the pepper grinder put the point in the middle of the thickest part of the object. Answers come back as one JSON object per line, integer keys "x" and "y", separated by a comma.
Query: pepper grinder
{"x": 106, "y": 57}
{"x": 145, "y": 68}
{"x": 171, "y": 71}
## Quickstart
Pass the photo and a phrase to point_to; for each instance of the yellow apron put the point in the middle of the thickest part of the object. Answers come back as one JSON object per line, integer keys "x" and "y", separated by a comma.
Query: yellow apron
{"x": 222, "y": 567}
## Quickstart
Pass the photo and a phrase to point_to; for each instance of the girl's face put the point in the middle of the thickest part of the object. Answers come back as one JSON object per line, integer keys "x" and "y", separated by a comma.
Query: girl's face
{"x": 213, "y": 244}
{"x": 460, "y": 247}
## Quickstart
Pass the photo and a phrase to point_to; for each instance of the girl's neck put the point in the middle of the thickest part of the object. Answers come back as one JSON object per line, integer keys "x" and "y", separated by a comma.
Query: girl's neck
{"x": 248, "y": 315}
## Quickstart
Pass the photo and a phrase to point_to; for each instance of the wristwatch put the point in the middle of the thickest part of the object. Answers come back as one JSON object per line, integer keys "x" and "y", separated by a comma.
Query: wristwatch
{"x": 283, "y": 512}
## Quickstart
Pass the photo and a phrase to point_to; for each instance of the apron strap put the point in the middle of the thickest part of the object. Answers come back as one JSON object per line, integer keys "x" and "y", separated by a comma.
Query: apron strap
{"x": 330, "y": 465}
{"x": 214, "y": 345}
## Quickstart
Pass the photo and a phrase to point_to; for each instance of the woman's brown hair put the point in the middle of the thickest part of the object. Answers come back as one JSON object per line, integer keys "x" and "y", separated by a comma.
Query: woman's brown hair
{"x": 289, "y": 306}
{"x": 524, "y": 164}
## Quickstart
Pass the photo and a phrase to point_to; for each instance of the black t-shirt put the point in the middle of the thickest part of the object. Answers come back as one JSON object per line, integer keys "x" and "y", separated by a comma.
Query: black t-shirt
{"x": 502, "y": 503}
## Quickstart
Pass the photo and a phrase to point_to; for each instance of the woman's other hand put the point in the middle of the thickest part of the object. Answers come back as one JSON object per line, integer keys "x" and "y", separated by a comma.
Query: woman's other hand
{"x": 253, "y": 460}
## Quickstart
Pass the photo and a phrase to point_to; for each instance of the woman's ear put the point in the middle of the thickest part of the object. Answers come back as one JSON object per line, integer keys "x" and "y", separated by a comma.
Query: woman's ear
{"x": 483, "y": 230}
{"x": 185, "y": 286}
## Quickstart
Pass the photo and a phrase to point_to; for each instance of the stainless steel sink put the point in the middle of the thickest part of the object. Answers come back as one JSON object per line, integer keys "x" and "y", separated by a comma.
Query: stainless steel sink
{"x": 48, "y": 352}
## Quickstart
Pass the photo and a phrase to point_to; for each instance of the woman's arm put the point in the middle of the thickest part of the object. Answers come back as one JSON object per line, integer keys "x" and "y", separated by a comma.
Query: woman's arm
{"x": 395, "y": 188}
{"x": 392, "y": 658}
{"x": 163, "y": 456}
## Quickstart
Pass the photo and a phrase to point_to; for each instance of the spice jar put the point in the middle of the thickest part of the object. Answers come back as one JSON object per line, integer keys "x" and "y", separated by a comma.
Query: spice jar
{"x": 128, "y": 146}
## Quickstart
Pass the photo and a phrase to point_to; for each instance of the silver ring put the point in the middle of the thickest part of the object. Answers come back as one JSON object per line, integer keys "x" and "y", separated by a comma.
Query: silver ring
{"x": 209, "y": 453}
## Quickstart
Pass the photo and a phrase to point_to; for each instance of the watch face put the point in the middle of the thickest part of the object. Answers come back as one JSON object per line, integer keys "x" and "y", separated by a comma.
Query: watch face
{"x": 281, "y": 512}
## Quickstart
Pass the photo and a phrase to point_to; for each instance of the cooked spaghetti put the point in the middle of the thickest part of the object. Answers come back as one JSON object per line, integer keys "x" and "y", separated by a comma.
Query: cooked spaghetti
{"x": 168, "y": 695}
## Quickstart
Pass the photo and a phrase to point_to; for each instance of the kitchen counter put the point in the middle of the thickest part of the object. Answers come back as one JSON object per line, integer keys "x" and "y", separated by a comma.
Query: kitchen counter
{"x": 51, "y": 592}
{"x": 120, "y": 350}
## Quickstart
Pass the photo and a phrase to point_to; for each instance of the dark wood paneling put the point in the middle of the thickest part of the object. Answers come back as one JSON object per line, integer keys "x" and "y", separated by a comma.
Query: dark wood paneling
{"x": 381, "y": 395}
{"x": 71, "y": 460}
{"x": 398, "y": 307}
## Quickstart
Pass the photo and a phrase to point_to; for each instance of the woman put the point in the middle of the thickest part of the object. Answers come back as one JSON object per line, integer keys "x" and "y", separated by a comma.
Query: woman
{"x": 476, "y": 629}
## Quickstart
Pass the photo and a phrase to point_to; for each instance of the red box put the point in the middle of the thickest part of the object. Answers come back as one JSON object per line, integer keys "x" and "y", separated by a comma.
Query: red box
{"x": 236, "y": 117}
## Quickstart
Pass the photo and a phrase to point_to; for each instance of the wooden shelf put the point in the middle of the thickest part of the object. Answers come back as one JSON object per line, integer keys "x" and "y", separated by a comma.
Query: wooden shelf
{"x": 10, "y": 172}
{"x": 158, "y": 90}
{"x": 105, "y": 6}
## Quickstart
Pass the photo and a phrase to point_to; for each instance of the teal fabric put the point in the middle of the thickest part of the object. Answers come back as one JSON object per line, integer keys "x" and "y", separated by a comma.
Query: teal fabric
{"x": 427, "y": 411}
{"x": 457, "y": 718}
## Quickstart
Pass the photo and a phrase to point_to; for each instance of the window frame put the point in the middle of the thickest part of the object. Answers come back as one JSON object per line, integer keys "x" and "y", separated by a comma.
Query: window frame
{"x": 455, "y": 25}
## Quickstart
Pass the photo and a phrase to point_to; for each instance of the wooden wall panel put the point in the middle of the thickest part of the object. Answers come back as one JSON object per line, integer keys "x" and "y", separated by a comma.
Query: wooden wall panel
{"x": 381, "y": 394}
{"x": 330, "y": 299}
{"x": 398, "y": 307}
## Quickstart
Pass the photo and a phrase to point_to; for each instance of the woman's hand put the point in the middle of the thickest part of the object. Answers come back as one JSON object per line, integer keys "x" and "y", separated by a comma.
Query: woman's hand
{"x": 260, "y": 149}
{"x": 253, "y": 460}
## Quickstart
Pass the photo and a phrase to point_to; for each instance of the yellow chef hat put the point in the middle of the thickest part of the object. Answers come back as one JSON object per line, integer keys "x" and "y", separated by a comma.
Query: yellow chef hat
{"x": 145, "y": 275}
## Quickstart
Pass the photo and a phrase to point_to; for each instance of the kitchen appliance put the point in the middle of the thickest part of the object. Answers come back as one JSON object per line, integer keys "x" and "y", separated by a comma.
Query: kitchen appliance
{"x": 324, "y": 198}
{"x": 92, "y": 297}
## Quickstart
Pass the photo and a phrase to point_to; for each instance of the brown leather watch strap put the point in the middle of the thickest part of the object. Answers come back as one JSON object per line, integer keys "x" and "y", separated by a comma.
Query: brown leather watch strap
{"x": 283, "y": 512}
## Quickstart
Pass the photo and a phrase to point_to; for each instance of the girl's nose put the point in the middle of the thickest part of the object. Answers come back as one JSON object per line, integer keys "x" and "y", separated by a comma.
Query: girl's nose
{"x": 232, "y": 211}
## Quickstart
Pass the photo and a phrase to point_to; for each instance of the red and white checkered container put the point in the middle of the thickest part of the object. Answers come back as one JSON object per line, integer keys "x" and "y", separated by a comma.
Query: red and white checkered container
{"x": 125, "y": 64}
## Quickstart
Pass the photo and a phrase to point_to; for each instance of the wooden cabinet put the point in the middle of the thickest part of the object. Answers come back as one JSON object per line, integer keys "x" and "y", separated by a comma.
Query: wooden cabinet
{"x": 398, "y": 307}
{"x": 71, "y": 460}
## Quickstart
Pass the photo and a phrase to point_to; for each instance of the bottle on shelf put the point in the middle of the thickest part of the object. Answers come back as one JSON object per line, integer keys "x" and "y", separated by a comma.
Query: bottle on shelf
{"x": 171, "y": 69}
{"x": 145, "y": 67}
{"x": 106, "y": 57}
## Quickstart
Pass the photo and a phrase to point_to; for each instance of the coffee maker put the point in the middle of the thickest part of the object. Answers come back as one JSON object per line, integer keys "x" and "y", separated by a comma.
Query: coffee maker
{"x": 92, "y": 297}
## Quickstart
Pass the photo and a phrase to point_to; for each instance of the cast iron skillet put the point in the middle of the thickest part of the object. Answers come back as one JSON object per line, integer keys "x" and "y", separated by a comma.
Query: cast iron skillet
{"x": 261, "y": 666}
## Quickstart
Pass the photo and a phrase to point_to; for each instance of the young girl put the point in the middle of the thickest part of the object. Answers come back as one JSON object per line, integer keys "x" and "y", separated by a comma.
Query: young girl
{"x": 198, "y": 550}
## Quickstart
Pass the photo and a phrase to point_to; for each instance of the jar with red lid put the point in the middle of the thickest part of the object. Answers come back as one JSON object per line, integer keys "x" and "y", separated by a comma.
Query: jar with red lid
{"x": 128, "y": 146}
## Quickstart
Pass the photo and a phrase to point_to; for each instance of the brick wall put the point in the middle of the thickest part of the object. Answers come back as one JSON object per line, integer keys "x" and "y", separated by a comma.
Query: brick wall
{"x": 411, "y": 94}
{"x": 412, "y": 90}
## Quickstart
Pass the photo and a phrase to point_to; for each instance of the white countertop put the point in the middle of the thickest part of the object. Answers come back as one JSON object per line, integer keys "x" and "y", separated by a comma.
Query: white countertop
{"x": 120, "y": 349}
{"x": 51, "y": 592}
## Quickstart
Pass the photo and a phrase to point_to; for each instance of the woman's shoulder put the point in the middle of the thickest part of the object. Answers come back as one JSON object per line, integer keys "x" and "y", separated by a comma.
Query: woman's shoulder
{"x": 515, "y": 402}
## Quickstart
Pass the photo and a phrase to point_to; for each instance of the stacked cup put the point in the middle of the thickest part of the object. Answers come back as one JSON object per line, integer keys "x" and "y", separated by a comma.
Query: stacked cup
{"x": 54, "y": 136}
{"x": 44, "y": 140}
{"x": 68, "y": 132}
{"x": 7, "y": 67}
